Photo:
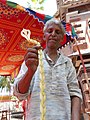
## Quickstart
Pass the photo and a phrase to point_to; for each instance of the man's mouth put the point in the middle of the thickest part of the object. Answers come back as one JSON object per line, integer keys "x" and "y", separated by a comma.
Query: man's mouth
{"x": 53, "y": 40}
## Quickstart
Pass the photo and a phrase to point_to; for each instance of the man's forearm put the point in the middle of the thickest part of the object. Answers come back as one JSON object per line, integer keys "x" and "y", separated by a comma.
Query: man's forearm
{"x": 76, "y": 108}
{"x": 24, "y": 83}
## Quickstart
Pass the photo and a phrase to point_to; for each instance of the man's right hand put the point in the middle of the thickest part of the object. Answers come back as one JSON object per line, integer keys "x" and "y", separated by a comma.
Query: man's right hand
{"x": 31, "y": 58}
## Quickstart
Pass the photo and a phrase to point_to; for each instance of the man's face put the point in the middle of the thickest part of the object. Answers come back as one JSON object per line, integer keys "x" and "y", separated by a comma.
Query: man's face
{"x": 53, "y": 36}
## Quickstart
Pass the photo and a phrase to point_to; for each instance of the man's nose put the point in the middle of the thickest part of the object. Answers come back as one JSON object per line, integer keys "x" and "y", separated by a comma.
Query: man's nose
{"x": 53, "y": 33}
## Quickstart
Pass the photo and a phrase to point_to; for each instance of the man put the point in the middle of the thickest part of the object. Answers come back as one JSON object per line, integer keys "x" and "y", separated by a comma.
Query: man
{"x": 63, "y": 96}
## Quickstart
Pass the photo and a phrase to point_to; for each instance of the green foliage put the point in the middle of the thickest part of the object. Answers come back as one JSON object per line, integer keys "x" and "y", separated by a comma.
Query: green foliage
{"x": 35, "y": 1}
{"x": 36, "y": 4}
{"x": 38, "y": 1}
{"x": 5, "y": 82}
{"x": 12, "y": 81}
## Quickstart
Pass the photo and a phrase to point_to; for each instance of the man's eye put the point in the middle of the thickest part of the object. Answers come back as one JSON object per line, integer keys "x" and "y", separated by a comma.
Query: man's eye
{"x": 49, "y": 31}
{"x": 58, "y": 32}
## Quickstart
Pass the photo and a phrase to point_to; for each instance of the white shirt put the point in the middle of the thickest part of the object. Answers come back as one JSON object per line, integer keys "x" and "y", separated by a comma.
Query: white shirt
{"x": 61, "y": 83}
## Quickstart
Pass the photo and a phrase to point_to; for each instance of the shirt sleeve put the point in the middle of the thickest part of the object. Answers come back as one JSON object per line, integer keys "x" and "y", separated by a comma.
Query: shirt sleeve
{"x": 73, "y": 84}
{"x": 16, "y": 92}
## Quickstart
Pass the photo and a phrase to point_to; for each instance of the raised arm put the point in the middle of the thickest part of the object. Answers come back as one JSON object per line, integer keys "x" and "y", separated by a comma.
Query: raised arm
{"x": 31, "y": 61}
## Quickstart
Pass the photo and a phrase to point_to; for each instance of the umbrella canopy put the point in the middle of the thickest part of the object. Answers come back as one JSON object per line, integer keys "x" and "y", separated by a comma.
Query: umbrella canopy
{"x": 13, "y": 18}
{"x": 12, "y": 44}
